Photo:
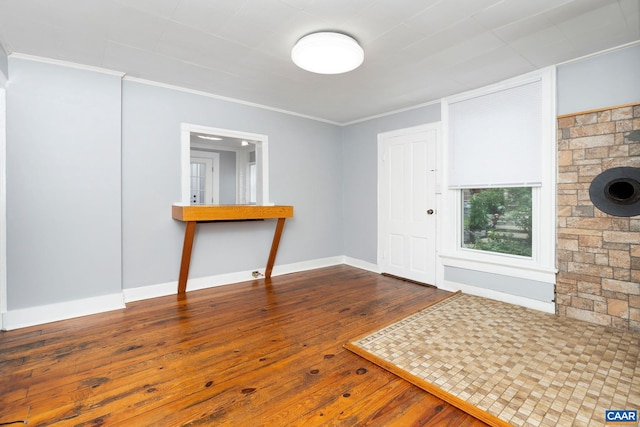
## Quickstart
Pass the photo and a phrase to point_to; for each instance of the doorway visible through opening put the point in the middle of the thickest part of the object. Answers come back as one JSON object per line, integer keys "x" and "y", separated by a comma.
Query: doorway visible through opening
{"x": 222, "y": 166}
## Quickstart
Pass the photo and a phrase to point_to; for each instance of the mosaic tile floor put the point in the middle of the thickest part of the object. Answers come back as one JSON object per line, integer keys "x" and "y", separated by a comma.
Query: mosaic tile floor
{"x": 525, "y": 367}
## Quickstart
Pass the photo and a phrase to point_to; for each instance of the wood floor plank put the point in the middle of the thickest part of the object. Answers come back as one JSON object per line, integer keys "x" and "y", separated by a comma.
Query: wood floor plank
{"x": 257, "y": 353}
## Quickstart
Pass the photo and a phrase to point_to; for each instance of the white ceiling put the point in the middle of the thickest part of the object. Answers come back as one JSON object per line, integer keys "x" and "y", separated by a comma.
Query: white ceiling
{"x": 416, "y": 51}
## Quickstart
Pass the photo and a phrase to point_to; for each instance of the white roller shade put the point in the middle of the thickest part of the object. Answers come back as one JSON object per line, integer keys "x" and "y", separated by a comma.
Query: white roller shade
{"x": 495, "y": 140}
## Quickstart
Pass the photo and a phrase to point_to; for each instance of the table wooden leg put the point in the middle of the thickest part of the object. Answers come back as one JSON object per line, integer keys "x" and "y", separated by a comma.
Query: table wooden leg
{"x": 189, "y": 233}
{"x": 274, "y": 247}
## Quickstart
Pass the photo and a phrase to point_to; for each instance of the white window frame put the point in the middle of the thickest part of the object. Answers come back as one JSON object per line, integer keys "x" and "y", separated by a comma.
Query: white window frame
{"x": 251, "y": 182}
{"x": 242, "y": 184}
{"x": 262, "y": 158}
{"x": 541, "y": 265}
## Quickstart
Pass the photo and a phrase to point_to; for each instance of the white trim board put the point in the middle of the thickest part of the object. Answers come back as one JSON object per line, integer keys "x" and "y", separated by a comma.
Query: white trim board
{"x": 600, "y": 52}
{"x": 363, "y": 265}
{"x": 61, "y": 63}
{"x": 226, "y": 98}
{"x": 126, "y": 77}
{"x": 171, "y": 288}
{"x": 32, "y": 316}
{"x": 3, "y": 207}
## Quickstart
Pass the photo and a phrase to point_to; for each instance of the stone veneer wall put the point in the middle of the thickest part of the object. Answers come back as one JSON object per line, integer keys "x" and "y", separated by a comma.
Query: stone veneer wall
{"x": 598, "y": 254}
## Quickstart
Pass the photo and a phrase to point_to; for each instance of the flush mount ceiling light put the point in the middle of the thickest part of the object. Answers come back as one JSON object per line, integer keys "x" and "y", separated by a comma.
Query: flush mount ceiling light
{"x": 327, "y": 53}
{"x": 212, "y": 138}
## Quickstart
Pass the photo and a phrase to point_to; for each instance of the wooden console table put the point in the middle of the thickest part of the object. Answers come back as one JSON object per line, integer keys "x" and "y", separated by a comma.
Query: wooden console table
{"x": 211, "y": 213}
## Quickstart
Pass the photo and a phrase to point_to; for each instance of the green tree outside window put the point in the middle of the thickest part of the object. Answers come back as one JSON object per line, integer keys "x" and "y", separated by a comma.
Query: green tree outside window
{"x": 498, "y": 220}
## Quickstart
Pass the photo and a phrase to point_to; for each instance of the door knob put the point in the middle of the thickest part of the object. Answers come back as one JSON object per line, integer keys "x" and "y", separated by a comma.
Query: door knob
{"x": 430, "y": 212}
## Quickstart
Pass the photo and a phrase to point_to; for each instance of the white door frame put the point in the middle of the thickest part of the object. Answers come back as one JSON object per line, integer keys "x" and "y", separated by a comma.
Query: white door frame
{"x": 3, "y": 205}
{"x": 213, "y": 164}
{"x": 382, "y": 137}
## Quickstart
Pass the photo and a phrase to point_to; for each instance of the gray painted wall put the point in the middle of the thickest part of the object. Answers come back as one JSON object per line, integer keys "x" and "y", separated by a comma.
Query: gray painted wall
{"x": 63, "y": 184}
{"x": 4, "y": 65}
{"x": 89, "y": 201}
{"x": 305, "y": 171}
{"x": 600, "y": 81}
{"x": 227, "y": 177}
{"x": 531, "y": 289}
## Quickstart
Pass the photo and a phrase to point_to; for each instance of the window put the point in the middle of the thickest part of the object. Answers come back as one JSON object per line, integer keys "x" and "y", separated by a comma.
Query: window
{"x": 498, "y": 220}
{"x": 499, "y": 184}
{"x": 496, "y": 159}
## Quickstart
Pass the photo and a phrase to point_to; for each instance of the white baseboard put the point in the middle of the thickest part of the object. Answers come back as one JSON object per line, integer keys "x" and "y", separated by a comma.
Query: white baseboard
{"x": 547, "y": 307}
{"x": 295, "y": 267}
{"x": 363, "y": 265}
{"x": 22, "y": 318}
{"x": 171, "y": 288}
{"x": 32, "y": 316}
{"x": 151, "y": 291}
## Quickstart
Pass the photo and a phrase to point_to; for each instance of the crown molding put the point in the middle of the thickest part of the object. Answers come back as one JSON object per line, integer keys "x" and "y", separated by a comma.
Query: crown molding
{"x": 17, "y": 55}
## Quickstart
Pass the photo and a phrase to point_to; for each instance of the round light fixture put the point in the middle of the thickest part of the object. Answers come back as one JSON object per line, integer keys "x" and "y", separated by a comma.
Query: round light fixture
{"x": 327, "y": 53}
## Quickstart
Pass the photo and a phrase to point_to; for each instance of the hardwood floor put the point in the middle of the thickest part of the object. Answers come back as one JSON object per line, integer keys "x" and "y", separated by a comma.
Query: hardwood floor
{"x": 249, "y": 354}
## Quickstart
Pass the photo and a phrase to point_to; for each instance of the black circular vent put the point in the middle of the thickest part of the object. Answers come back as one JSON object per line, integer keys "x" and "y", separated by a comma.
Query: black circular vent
{"x": 616, "y": 191}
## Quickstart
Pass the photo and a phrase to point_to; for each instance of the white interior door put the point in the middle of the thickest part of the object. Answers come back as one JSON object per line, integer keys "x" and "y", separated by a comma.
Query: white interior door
{"x": 205, "y": 179}
{"x": 407, "y": 203}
